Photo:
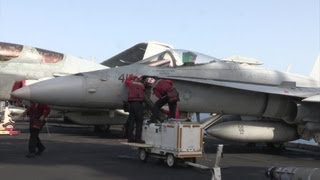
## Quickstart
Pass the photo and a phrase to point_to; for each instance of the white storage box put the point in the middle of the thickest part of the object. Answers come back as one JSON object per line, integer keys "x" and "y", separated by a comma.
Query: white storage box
{"x": 183, "y": 139}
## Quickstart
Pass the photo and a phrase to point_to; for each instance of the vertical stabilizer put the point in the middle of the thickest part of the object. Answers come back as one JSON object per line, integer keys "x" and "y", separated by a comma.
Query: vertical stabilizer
{"x": 154, "y": 47}
{"x": 136, "y": 53}
{"x": 315, "y": 73}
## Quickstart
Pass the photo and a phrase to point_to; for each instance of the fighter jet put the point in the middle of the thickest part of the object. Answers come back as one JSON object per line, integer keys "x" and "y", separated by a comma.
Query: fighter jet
{"x": 22, "y": 65}
{"x": 271, "y": 106}
{"x": 19, "y": 63}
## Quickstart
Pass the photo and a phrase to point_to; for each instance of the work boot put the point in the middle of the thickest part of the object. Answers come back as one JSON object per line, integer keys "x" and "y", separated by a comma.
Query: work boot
{"x": 131, "y": 140}
{"x": 40, "y": 151}
{"x": 31, "y": 155}
{"x": 141, "y": 141}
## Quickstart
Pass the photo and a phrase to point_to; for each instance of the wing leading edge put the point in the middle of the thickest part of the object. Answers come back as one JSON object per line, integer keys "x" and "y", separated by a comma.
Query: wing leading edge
{"x": 284, "y": 89}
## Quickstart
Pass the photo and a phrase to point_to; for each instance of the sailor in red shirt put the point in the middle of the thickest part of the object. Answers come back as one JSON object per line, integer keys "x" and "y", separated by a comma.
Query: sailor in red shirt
{"x": 164, "y": 90}
{"x": 135, "y": 99}
{"x": 37, "y": 114}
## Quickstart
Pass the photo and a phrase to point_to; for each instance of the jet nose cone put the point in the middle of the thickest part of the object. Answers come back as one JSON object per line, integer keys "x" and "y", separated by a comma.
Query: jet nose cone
{"x": 23, "y": 93}
{"x": 61, "y": 91}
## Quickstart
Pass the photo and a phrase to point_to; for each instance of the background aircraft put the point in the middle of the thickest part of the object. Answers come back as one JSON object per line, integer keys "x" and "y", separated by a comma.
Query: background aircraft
{"x": 280, "y": 106}
{"x": 21, "y": 65}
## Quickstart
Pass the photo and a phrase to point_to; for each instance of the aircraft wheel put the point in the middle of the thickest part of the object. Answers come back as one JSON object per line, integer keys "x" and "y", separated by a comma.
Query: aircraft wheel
{"x": 143, "y": 155}
{"x": 125, "y": 130}
{"x": 107, "y": 128}
{"x": 170, "y": 160}
{"x": 97, "y": 129}
{"x": 67, "y": 120}
{"x": 276, "y": 146}
{"x": 101, "y": 128}
{"x": 251, "y": 145}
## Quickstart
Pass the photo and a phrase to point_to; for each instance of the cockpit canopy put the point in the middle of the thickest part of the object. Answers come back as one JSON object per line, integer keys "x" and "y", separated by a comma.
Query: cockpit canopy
{"x": 9, "y": 51}
{"x": 177, "y": 58}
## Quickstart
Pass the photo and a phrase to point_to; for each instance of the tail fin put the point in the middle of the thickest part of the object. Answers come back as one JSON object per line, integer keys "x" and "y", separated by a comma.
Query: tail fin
{"x": 154, "y": 47}
{"x": 136, "y": 53}
{"x": 315, "y": 73}
{"x": 289, "y": 68}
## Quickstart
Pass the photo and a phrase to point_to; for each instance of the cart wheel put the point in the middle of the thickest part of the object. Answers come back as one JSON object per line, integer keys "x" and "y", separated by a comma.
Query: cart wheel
{"x": 170, "y": 160}
{"x": 143, "y": 155}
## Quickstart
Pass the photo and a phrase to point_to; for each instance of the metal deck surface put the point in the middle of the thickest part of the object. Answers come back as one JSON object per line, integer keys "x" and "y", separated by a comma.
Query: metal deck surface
{"x": 75, "y": 152}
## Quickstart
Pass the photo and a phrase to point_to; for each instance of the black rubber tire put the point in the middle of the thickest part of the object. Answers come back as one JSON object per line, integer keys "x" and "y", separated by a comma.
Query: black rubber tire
{"x": 170, "y": 160}
{"x": 143, "y": 155}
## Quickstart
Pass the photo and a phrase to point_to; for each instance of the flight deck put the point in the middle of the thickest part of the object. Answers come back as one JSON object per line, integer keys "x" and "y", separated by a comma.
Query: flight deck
{"x": 75, "y": 152}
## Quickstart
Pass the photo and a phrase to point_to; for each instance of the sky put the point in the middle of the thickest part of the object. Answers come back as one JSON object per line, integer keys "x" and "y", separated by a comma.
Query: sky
{"x": 278, "y": 33}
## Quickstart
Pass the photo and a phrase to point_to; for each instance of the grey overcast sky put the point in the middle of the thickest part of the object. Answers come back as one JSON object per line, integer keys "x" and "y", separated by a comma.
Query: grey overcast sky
{"x": 277, "y": 32}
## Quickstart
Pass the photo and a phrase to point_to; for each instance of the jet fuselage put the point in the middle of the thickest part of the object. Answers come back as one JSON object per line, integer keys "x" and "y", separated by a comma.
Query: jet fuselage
{"x": 106, "y": 89}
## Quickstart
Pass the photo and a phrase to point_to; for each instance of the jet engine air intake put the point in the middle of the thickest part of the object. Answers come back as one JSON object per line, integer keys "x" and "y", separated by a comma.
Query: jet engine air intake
{"x": 296, "y": 113}
{"x": 289, "y": 111}
{"x": 280, "y": 108}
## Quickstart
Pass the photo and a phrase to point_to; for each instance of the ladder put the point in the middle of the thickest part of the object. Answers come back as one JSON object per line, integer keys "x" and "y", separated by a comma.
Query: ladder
{"x": 211, "y": 121}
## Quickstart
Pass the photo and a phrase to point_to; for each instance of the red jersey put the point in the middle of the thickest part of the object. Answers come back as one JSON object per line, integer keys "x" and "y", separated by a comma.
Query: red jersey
{"x": 35, "y": 111}
{"x": 135, "y": 90}
{"x": 162, "y": 87}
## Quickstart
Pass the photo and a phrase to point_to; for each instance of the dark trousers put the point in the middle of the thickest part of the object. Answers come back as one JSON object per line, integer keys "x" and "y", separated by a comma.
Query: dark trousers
{"x": 34, "y": 141}
{"x": 158, "y": 105}
{"x": 135, "y": 118}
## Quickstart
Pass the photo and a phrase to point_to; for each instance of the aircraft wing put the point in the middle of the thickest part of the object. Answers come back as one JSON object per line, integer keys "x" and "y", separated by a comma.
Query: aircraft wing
{"x": 285, "y": 88}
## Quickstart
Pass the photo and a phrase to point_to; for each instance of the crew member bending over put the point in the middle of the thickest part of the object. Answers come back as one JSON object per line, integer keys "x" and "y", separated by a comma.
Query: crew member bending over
{"x": 164, "y": 90}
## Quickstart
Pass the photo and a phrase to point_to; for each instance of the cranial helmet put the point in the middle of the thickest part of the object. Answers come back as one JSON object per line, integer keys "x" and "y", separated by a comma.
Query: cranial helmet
{"x": 150, "y": 80}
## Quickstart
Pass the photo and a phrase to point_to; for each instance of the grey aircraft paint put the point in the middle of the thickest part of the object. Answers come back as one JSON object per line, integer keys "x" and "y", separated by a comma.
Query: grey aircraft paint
{"x": 206, "y": 84}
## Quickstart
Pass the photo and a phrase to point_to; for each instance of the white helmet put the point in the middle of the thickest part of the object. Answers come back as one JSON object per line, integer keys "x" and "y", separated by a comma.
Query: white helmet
{"x": 150, "y": 80}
